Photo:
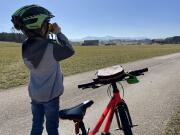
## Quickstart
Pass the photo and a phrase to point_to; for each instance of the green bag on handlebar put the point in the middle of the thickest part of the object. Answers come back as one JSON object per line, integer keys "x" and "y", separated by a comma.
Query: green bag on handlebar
{"x": 132, "y": 79}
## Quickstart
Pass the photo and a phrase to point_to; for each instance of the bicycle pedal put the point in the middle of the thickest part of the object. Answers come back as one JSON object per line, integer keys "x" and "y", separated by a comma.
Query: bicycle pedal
{"x": 122, "y": 129}
{"x": 134, "y": 126}
{"x": 105, "y": 133}
{"x": 118, "y": 129}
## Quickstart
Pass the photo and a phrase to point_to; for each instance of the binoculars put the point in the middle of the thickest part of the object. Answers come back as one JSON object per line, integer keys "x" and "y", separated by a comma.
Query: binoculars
{"x": 50, "y": 27}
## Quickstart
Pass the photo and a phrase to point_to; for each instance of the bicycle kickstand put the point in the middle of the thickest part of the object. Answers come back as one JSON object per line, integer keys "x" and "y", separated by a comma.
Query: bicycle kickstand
{"x": 79, "y": 125}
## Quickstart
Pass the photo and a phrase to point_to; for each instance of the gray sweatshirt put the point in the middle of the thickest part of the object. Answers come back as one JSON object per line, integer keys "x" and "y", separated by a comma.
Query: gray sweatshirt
{"x": 42, "y": 57}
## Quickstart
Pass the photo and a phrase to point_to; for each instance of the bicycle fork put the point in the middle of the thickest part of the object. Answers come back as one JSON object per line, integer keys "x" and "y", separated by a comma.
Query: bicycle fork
{"x": 124, "y": 105}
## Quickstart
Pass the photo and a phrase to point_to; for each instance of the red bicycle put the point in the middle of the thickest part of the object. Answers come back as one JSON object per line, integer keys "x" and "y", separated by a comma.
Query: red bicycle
{"x": 116, "y": 105}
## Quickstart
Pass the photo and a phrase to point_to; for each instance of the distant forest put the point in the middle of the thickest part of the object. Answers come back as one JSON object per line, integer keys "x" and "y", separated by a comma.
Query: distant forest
{"x": 169, "y": 40}
{"x": 12, "y": 37}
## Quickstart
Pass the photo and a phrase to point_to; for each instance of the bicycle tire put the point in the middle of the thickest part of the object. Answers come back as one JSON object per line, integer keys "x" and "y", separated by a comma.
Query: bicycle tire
{"x": 125, "y": 122}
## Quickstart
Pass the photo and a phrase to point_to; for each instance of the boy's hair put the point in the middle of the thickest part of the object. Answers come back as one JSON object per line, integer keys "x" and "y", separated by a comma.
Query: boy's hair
{"x": 30, "y": 19}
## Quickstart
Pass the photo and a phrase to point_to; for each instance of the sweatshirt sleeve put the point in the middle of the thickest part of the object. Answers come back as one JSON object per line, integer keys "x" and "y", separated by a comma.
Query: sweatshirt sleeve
{"x": 62, "y": 49}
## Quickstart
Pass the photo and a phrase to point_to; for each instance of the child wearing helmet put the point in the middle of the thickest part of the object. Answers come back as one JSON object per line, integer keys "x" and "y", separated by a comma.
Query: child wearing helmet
{"x": 41, "y": 55}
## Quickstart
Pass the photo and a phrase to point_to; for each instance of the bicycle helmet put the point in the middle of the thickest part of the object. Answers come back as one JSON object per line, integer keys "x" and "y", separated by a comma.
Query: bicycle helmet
{"x": 30, "y": 17}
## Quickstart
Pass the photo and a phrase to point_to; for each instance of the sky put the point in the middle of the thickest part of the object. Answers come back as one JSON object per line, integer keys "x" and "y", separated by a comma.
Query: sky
{"x": 118, "y": 18}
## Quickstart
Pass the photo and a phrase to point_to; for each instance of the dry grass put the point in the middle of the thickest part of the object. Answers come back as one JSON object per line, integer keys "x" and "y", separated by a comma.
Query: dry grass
{"x": 13, "y": 72}
{"x": 173, "y": 126}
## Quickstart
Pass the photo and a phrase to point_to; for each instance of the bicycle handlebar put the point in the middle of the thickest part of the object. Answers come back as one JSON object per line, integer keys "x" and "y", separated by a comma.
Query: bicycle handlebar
{"x": 87, "y": 85}
{"x": 96, "y": 84}
{"x": 138, "y": 72}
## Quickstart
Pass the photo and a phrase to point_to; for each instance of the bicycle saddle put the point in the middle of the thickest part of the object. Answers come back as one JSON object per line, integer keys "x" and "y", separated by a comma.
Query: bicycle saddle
{"x": 75, "y": 113}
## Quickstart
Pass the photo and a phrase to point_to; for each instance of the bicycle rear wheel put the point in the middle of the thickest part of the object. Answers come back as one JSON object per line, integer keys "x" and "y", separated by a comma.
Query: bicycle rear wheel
{"x": 125, "y": 119}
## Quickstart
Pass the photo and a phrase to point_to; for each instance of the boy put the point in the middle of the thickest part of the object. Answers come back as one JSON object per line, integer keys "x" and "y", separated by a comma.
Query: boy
{"x": 42, "y": 55}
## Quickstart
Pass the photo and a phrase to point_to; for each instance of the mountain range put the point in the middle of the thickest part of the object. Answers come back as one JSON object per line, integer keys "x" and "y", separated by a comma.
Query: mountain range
{"x": 106, "y": 38}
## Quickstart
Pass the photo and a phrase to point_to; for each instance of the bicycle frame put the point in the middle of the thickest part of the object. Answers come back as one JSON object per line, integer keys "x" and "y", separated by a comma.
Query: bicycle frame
{"x": 110, "y": 109}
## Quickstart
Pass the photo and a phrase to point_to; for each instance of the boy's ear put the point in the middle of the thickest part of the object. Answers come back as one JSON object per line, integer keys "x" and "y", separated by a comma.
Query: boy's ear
{"x": 45, "y": 29}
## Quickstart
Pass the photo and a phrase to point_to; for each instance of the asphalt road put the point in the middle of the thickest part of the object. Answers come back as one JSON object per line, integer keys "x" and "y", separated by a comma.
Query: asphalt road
{"x": 151, "y": 102}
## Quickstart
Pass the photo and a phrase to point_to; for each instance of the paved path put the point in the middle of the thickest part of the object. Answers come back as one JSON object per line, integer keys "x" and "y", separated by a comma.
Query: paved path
{"x": 151, "y": 102}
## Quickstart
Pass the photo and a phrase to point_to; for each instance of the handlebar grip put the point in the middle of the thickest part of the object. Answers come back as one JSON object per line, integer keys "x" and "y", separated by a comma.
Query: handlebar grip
{"x": 138, "y": 72}
{"x": 87, "y": 85}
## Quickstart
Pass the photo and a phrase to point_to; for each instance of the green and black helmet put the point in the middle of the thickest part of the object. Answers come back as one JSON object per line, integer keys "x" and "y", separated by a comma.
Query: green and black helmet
{"x": 30, "y": 17}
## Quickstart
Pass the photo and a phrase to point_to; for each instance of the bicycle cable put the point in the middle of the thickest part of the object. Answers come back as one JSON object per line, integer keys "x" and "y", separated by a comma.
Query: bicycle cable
{"x": 121, "y": 88}
{"x": 109, "y": 91}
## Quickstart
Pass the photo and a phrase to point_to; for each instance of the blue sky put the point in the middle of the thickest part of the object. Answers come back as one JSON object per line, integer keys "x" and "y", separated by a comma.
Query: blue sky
{"x": 119, "y": 18}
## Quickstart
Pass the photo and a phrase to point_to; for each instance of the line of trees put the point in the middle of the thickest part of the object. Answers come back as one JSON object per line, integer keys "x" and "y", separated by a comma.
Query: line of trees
{"x": 169, "y": 40}
{"x": 12, "y": 37}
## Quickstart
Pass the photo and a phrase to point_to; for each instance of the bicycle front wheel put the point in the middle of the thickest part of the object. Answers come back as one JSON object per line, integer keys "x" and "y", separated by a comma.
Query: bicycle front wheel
{"x": 125, "y": 119}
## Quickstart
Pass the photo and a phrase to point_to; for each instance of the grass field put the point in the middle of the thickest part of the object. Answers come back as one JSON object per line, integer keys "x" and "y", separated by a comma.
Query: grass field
{"x": 14, "y": 73}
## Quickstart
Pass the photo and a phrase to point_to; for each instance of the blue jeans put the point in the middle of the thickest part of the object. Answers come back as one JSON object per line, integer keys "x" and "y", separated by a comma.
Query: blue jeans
{"x": 51, "y": 112}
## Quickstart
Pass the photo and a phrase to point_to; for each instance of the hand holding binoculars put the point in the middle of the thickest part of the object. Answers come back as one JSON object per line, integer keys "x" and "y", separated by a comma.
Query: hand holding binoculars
{"x": 54, "y": 28}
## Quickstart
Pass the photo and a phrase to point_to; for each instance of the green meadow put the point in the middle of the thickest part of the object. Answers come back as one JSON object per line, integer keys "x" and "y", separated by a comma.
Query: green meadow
{"x": 13, "y": 72}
